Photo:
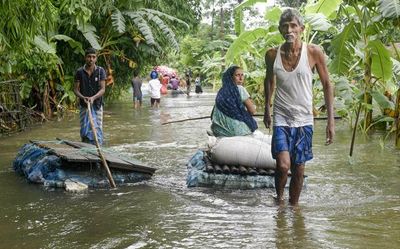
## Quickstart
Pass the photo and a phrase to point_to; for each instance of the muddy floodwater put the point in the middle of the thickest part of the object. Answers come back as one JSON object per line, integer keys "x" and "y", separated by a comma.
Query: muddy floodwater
{"x": 347, "y": 203}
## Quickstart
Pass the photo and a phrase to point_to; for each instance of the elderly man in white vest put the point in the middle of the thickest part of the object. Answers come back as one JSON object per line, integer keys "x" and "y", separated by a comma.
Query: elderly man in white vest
{"x": 289, "y": 72}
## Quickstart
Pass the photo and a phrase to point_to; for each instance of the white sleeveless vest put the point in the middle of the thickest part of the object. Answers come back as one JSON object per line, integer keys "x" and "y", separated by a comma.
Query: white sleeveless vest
{"x": 293, "y": 93}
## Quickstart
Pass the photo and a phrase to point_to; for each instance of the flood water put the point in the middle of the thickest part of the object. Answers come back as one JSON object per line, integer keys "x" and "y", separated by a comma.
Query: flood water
{"x": 347, "y": 203}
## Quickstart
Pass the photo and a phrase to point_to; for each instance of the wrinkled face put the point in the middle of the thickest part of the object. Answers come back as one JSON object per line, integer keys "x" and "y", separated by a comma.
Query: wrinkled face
{"x": 291, "y": 30}
{"x": 90, "y": 59}
{"x": 238, "y": 76}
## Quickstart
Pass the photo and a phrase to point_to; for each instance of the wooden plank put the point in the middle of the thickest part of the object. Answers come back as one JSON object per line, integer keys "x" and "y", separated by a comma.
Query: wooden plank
{"x": 136, "y": 163}
{"x": 68, "y": 153}
{"x": 85, "y": 154}
{"x": 115, "y": 161}
{"x": 77, "y": 144}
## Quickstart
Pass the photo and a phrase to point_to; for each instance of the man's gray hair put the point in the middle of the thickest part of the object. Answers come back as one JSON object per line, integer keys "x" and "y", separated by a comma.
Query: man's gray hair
{"x": 289, "y": 14}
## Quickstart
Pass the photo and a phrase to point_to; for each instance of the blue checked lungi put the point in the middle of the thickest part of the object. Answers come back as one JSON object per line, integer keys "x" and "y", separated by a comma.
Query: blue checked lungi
{"x": 296, "y": 140}
{"x": 86, "y": 130}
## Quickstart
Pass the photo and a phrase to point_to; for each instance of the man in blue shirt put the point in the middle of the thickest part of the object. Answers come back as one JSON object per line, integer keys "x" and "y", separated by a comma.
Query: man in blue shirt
{"x": 89, "y": 88}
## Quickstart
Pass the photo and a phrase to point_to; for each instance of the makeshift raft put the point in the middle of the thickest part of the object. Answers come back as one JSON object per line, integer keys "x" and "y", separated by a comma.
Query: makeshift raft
{"x": 61, "y": 163}
{"x": 203, "y": 173}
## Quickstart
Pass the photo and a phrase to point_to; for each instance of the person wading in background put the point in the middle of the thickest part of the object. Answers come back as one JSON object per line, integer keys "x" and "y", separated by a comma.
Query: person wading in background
{"x": 155, "y": 89}
{"x": 137, "y": 90}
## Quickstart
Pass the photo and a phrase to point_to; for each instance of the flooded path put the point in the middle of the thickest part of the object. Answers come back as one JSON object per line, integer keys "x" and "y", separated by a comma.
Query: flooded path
{"x": 348, "y": 203}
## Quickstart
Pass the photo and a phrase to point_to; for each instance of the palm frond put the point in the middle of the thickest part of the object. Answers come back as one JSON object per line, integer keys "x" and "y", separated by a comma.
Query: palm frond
{"x": 88, "y": 32}
{"x": 77, "y": 46}
{"x": 389, "y": 8}
{"x": 165, "y": 29}
{"x": 118, "y": 21}
{"x": 142, "y": 25}
{"x": 161, "y": 14}
{"x": 41, "y": 43}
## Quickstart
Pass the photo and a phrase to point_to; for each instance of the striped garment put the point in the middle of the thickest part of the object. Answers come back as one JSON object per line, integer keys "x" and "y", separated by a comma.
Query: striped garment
{"x": 296, "y": 140}
{"x": 86, "y": 130}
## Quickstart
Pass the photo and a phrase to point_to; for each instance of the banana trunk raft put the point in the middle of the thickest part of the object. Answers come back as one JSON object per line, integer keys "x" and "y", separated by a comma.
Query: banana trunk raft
{"x": 202, "y": 172}
{"x": 76, "y": 166}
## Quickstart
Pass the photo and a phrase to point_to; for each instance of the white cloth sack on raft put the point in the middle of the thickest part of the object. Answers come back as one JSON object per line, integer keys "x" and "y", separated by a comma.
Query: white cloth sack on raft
{"x": 250, "y": 151}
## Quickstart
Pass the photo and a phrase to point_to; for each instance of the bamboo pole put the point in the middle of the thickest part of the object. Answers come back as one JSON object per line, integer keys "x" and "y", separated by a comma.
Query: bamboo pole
{"x": 184, "y": 120}
{"x": 103, "y": 160}
{"x": 208, "y": 116}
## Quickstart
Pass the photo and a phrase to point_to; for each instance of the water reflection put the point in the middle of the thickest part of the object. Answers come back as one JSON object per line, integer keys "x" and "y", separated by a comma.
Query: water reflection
{"x": 291, "y": 229}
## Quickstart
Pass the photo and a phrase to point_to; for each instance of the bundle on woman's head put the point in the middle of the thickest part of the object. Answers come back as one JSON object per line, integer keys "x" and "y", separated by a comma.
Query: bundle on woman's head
{"x": 154, "y": 75}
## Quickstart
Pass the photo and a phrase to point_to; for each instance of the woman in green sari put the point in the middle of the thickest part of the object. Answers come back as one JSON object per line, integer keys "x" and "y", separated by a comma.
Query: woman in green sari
{"x": 233, "y": 110}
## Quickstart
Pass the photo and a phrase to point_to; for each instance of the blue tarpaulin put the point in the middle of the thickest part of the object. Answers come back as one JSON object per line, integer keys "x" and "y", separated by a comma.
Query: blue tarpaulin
{"x": 37, "y": 165}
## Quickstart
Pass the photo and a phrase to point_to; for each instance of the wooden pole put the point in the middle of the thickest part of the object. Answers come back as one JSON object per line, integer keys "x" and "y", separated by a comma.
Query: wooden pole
{"x": 109, "y": 176}
{"x": 204, "y": 117}
{"x": 187, "y": 119}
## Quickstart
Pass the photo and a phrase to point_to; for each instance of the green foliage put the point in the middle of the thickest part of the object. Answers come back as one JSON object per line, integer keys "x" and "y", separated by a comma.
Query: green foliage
{"x": 118, "y": 21}
{"x": 389, "y": 8}
{"x": 89, "y": 32}
{"x": 212, "y": 68}
{"x": 342, "y": 50}
{"x": 381, "y": 63}
{"x": 238, "y": 14}
{"x": 244, "y": 43}
{"x": 42, "y": 42}
{"x": 325, "y": 7}
{"x": 355, "y": 34}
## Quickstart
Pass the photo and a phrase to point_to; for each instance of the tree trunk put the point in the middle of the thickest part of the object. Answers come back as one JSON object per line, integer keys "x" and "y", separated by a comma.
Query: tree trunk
{"x": 212, "y": 19}
{"x": 221, "y": 29}
{"x": 367, "y": 93}
{"x": 46, "y": 101}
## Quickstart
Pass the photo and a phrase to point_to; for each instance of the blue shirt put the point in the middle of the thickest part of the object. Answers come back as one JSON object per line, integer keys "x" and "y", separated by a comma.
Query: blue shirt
{"x": 90, "y": 85}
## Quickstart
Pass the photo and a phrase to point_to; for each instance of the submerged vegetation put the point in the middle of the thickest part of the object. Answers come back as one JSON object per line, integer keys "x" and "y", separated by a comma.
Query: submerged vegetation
{"x": 42, "y": 43}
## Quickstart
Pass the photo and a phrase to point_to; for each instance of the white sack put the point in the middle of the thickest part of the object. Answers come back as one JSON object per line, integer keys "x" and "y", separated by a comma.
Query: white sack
{"x": 242, "y": 150}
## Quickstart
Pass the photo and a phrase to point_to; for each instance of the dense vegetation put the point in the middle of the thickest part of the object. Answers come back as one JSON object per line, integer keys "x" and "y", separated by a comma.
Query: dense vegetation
{"x": 360, "y": 38}
{"x": 42, "y": 43}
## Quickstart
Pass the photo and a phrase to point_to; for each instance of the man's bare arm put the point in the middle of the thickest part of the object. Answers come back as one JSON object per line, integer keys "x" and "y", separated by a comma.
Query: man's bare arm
{"x": 269, "y": 84}
{"x": 320, "y": 64}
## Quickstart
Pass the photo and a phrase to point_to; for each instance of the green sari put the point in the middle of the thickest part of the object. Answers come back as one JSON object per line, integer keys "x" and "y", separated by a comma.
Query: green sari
{"x": 224, "y": 126}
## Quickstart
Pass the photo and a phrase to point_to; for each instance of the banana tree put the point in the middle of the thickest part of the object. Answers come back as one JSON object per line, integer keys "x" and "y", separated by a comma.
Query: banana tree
{"x": 212, "y": 68}
{"x": 359, "y": 48}
{"x": 126, "y": 31}
{"x": 256, "y": 42}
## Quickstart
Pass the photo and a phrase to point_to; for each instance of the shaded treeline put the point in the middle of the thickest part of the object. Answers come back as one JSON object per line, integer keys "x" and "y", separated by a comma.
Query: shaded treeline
{"x": 42, "y": 44}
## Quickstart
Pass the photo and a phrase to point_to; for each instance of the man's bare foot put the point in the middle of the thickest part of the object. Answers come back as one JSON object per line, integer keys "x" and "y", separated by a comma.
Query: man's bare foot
{"x": 279, "y": 200}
